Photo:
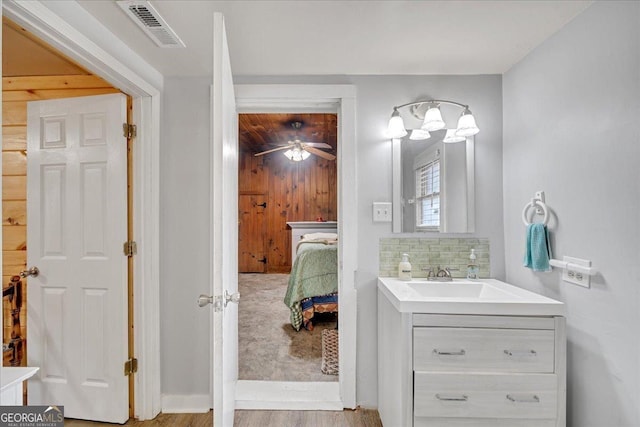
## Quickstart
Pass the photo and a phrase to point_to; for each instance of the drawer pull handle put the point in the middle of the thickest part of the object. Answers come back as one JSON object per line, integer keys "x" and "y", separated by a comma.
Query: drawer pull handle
{"x": 520, "y": 353}
{"x": 533, "y": 399}
{"x": 449, "y": 353}
{"x": 460, "y": 398}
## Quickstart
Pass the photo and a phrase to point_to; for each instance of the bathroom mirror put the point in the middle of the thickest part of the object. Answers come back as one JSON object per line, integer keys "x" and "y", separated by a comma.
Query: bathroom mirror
{"x": 433, "y": 185}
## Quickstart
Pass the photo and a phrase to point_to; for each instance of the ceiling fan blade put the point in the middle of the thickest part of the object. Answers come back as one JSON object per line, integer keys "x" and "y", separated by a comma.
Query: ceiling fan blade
{"x": 316, "y": 144}
{"x": 262, "y": 153}
{"x": 320, "y": 153}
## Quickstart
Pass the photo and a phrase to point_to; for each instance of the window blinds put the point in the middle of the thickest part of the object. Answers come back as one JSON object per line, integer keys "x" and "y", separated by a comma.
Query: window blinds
{"x": 428, "y": 195}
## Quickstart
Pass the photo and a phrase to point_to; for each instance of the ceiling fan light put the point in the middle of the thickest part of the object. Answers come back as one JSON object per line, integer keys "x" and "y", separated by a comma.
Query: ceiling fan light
{"x": 396, "y": 125}
{"x": 419, "y": 134}
{"x": 452, "y": 137}
{"x": 305, "y": 154}
{"x": 467, "y": 124}
{"x": 296, "y": 154}
{"x": 433, "y": 119}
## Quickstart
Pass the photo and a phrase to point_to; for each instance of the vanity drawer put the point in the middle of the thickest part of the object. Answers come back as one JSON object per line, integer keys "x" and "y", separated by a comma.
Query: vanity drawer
{"x": 481, "y": 422}
{"x": 499, "y": 396}
{"x": 479, "y": 349}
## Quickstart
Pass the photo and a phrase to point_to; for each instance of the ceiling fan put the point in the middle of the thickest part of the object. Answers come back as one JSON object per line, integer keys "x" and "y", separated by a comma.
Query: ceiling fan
{"x": 298, "y": 150}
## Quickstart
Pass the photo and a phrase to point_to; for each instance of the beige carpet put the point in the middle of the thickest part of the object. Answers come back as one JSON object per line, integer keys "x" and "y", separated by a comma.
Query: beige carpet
{"x": 269, "y": 348}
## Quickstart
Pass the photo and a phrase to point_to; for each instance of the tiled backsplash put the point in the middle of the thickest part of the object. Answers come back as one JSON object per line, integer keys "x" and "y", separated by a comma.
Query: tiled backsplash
{"x": 427, "y": 252}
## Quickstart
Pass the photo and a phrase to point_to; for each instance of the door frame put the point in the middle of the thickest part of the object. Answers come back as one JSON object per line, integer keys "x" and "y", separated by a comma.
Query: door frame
{"x": 341, "y": 99}
{"x": 129, "y": 73}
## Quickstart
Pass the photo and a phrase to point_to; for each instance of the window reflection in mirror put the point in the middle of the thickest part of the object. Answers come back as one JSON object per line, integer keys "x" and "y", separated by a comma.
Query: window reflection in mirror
{"x": 433, "y": 185}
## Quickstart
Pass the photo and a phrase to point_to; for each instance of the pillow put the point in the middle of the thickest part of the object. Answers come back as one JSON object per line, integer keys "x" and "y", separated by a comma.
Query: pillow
{"x": 320, "y": 236}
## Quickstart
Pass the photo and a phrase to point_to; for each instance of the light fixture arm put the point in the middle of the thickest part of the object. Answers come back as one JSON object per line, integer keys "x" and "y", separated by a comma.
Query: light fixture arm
{"x": 432, "y": 101}
{"x": 418, "y": 104}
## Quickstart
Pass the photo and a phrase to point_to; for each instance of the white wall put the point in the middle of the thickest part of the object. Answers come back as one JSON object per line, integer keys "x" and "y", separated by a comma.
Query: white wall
{"x": 184, "y": 238}
{"x": 572, "y": 129}
{"x": 184, "y": 221}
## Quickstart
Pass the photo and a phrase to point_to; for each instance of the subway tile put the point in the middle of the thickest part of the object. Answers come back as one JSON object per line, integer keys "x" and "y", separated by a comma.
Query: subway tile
{"x": 431, "y": 252}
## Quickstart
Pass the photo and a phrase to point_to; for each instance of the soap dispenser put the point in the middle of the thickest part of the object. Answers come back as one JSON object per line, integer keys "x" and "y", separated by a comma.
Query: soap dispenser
{"x": 404, "y": 268}
{"x": 472, "y": 268}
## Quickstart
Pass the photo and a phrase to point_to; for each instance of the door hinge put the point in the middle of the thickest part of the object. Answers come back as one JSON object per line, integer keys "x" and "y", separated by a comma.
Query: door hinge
{"x": 130, "y": 131}
{"x": 130, "y": 367}
{"x": 130, "y": 248}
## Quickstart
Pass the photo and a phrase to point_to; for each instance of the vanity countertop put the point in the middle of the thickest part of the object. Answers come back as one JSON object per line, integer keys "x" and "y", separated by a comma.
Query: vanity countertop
{"x": 15, "y": 375}
{"x": 463, "y": 296}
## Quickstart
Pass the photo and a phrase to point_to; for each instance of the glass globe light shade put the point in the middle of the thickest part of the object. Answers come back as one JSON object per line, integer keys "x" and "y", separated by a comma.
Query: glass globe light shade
{"x": 433, "y": 119}
{"x": 467, "y": 124}
{"x": 419, "y": 134}
{"x": 296, "y": 154}
{"x": 452, "y": 137}
{"x": 396, "y": 126}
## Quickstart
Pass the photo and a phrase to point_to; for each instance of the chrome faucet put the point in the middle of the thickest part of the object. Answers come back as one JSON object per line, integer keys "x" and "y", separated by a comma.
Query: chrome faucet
{"x": 440, "y": 275}
{"x": 445, "y": 273}
{"x": 430, "y": 274}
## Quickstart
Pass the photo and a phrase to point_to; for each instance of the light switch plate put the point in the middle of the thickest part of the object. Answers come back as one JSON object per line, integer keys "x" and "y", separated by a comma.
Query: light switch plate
{"x": 382, "y": 212}
{"x": 575, "y": 277}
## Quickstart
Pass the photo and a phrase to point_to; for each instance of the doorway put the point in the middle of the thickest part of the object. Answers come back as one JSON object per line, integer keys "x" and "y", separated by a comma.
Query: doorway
{"x": 142, "y": 85}
{"x": 61, "y": 86}
{"x": 287, "y": 178}
{"x": 338, "y": 100}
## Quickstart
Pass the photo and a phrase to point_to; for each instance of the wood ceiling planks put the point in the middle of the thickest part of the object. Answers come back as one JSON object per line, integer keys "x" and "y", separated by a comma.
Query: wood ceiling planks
{"x": 259, "y": 132}
{"x": 23, "y": 54}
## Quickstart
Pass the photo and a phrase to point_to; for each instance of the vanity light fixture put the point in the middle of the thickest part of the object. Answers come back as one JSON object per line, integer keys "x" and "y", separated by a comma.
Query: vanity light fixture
{"x": 429, "y": 112}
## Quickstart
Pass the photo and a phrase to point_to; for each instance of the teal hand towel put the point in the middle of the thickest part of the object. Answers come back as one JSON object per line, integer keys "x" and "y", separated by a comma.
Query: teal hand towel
{"x": 538, "y": 251}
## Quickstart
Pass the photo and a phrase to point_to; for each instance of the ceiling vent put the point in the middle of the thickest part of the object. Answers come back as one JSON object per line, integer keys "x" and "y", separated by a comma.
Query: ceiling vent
{"x": 150, "y": 21}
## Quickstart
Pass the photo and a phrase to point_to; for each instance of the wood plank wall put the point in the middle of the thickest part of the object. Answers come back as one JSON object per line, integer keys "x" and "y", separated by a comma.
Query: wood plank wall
{"x": 296, "y": 191}
{"x": 16, "y": 92}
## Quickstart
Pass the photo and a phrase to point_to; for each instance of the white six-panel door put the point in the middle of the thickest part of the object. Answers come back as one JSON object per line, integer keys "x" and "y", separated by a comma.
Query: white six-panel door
{"x": 224, "y": 229}
{"x": 77, "y": 224}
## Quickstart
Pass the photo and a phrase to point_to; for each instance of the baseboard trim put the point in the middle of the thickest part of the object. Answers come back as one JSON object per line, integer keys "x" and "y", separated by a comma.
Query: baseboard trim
{"x": 285, "y": 395}
{"x": 186, "y": 403}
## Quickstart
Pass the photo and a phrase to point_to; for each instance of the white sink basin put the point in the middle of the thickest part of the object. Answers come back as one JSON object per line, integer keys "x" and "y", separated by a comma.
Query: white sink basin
{"x": 461, "y": 296}
{"x": 457, "y": 289}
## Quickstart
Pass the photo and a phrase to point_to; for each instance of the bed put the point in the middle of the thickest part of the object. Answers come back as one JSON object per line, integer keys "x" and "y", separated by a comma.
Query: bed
{"x": 313, "y": 282}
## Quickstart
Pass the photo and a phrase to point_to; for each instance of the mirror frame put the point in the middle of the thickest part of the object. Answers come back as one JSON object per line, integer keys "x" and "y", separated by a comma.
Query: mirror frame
{"x": 397, "y": 197}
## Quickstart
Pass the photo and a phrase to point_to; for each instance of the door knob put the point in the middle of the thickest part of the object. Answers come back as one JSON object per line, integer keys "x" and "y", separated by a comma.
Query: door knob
{"x": 217, "y": 302}
{"x": 33, "y": 271}
{"x": 204, "y": 300}
{"x": 235, "y": 297}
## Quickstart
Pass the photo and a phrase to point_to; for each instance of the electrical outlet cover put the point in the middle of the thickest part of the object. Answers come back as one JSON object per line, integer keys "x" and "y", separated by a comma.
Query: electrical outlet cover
{"x": 575, "y": 277}
{"x": 382, "y": 212}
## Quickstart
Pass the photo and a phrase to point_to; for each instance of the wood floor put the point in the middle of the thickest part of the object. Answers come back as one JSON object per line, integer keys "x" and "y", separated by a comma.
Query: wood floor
{"x": 346, "y": 418}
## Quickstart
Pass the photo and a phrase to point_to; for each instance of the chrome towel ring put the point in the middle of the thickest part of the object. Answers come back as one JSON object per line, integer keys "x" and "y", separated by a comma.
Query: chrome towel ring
{"x": 533, "y": 204}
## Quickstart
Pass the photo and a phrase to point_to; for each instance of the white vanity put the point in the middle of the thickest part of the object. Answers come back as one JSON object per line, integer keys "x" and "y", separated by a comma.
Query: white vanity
{"x": 469, "y": 353}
